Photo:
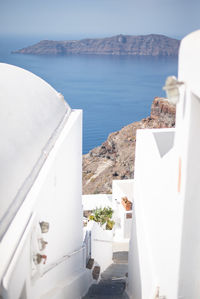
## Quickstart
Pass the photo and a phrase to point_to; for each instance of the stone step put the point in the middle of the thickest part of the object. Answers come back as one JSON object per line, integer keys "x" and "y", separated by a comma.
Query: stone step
{"x": 122, "y": 296}
{"x": 120, "y": 257}
{"x": 107, "y": 289}
{"x": 115, "y": 271}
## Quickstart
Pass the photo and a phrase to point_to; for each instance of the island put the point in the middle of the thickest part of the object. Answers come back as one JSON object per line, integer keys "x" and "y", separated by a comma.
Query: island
{"x": 141, "y": 45}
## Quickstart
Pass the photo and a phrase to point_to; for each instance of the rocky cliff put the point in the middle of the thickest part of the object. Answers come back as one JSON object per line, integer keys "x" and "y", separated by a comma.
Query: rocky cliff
{"x": 148, "y": 45}
{"x": 114, "y": 159}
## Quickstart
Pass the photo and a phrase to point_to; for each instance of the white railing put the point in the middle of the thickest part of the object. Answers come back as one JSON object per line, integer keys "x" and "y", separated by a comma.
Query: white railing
{"x": 87, "y": 246}
{"x": 63, "y": 259}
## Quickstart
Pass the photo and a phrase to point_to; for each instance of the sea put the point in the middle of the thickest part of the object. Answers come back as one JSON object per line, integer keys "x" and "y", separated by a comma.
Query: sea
{"x": 112, "y": 91}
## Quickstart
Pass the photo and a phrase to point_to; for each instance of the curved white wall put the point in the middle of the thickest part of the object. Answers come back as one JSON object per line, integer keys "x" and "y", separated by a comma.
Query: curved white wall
{"x": 30, "y": 113}
{"x": 55, "y": 197}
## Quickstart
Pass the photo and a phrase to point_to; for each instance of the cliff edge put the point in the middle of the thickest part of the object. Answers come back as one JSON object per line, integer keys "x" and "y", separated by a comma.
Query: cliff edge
{"x": 114, "y": 159}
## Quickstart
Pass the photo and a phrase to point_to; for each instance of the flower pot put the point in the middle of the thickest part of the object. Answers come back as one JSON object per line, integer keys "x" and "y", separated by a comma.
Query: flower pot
{"x": 127, "y": 204}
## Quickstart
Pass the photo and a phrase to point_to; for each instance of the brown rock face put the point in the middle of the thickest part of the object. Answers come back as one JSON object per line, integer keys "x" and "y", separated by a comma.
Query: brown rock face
{"x": 163, "y": 111}
{"x": 114, "y": 159}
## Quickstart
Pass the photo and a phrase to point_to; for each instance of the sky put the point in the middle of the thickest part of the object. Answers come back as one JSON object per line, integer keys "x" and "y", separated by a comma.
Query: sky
{"x": 98, "y": 18}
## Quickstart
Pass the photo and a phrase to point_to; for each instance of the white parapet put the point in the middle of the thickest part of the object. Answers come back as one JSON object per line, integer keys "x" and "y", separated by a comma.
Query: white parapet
{"x": 164, "y": 253}
{"x": 102, "y": 240}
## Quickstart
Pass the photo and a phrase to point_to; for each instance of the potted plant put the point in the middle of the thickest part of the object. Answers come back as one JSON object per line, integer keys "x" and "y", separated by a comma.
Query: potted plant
{"x": 127, "y": 204}
{"x": 103, "y": 216}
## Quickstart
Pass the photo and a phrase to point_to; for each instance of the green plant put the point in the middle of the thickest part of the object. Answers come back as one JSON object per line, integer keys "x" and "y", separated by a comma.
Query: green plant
{"x": 103, "y": 216}
{"x": 110, "y": 224}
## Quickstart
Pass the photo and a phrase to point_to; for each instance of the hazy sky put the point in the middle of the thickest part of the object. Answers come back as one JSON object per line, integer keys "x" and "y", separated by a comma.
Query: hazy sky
{"x": 99, "y": 17}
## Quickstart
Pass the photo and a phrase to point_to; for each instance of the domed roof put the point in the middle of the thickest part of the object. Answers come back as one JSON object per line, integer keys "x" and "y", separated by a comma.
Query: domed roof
{"x": 189, "y": 61}
{"x": 31, "y": 111}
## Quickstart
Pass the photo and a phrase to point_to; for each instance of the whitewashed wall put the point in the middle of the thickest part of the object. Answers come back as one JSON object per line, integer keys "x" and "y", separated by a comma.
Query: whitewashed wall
{"x": 165, "y": 238}
{"x": 157, "y": 216}
{"x": 189, "y": 148}
{"x": 121, "y": 188}
{"x": 189, "y": 286}
{"x": 102, "y": 251}
{"x": 55, "y": 197}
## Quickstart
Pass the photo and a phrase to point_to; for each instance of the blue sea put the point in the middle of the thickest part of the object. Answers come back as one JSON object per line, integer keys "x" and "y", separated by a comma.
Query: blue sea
{"x": 113, "y": 91}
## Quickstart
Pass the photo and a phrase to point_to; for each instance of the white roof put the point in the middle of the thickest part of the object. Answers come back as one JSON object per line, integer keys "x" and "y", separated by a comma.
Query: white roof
{"x": 30, "y": 113}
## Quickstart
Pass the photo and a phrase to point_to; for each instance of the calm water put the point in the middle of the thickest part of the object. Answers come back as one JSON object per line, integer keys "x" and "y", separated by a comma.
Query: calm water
{"x": 112, "y": 91}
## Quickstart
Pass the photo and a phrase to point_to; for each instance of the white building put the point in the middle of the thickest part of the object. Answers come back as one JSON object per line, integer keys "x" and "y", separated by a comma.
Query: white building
{"x": 165, "y": 244}
{"x": 41, "y": 236}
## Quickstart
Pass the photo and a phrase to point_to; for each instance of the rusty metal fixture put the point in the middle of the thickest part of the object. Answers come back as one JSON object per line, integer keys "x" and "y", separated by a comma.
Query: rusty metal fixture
{"x": 171, "y": 87}
{"x": 42, "y": 244}
{"x": 39, "y": 257}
